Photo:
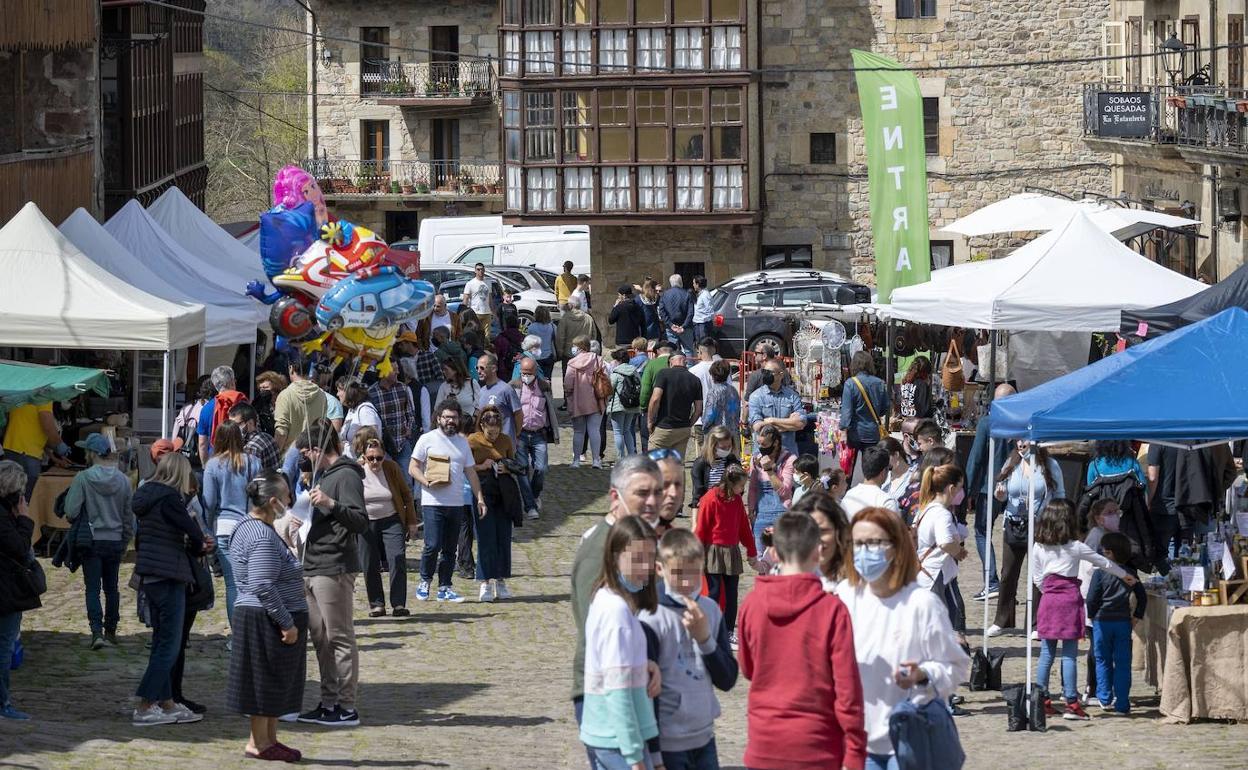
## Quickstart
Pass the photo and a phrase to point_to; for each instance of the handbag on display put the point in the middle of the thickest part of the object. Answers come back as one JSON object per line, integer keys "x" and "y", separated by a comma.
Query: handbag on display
{"x": 1002, "y": 365}
{"x": 951, "y": 375}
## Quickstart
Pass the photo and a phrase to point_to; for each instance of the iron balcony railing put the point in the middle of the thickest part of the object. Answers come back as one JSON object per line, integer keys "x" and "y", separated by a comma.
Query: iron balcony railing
{"x": 340, "y": 176}
{"x": 381, "y": 78}
{"x": 1206, "y": 117}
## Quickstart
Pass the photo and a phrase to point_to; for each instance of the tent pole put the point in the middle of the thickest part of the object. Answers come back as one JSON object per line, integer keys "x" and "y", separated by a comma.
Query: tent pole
{"x": 1031, "y": 538}
{"x": 890, "y": 364}
{"x": 164, "y": 397}
{"x": 988, "y": 503}
{"x": 251, "y": 381}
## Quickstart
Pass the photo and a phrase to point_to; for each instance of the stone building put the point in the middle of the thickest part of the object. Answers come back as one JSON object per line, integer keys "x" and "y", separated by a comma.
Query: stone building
{"x": 407, "y": 120}
{"x": 802, "y": 197}
{"x": 1188, "y": 154}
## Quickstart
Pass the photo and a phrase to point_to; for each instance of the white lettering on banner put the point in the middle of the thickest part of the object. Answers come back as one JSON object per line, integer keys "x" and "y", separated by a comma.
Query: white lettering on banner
{"x": 896, "y": 172}
{"x": 888, "y": 97}
{"x": 903, "y": 259}
{"x": 892, "y": 138}
{"x": 900, "y": 218}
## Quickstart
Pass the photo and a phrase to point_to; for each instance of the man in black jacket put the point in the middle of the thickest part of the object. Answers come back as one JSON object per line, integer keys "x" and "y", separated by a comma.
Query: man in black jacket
{"x": 627, "y": 317}
{"x": 330, "y": 564}
{"x": 676, "y": 314}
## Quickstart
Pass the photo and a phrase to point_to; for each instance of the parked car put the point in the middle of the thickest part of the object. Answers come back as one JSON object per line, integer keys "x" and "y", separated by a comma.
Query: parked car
{"x": 451, "y": 279}
{"x": 769, "y": 305}
{"x": 442, "y": 238}
{"x": 382, "y": 300}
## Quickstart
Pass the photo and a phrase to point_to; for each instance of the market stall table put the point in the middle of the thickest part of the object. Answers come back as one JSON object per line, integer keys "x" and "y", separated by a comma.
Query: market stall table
{"x": 1206, "y": 668}
{"x": 1148, "y": 652}
{"x": 51, "y": 484}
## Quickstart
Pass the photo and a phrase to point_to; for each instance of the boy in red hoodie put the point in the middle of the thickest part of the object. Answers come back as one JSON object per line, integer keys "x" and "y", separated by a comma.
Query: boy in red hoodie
{"x": 797, "y": 649}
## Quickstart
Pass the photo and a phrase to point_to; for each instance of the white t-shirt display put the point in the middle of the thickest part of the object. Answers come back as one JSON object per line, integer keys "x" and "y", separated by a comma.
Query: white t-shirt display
{"x": 936, "y": 528}
{"x": 478, "y": 293}
{"x": 867, "y": 496}
{"x": 455, "y": 448}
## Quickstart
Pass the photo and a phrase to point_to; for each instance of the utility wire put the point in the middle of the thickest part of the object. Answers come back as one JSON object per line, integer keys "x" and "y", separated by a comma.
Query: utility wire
{"x": 1003, "y": 64}
{"x": 227, "y": 95}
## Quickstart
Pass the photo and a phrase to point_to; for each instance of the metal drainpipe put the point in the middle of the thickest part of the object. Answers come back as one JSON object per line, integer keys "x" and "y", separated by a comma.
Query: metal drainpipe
{"x": 312, "y": 69}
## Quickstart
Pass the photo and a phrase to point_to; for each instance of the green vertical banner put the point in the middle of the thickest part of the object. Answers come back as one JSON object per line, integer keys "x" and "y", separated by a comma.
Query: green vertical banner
{"x": 892, "y": 124}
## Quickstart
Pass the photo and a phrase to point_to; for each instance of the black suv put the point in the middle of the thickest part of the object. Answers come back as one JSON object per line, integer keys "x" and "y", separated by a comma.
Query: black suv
{"x": 769, "y": 305}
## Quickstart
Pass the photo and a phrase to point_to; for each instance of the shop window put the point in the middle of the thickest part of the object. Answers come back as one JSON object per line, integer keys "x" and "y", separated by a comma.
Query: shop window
{"x": 687, "y": 45}
{"x": 823, "y": 149}
{"x": 615, "y": 189}
{"x": 931, "y": 124}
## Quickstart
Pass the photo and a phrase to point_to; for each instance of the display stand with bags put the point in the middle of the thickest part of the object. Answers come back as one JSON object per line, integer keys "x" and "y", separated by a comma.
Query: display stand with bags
{"x": 986, "y": 670}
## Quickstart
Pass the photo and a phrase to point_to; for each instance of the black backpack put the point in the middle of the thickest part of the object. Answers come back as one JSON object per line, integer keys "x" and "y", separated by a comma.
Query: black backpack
{"x": 1136, "y": 522}
{"x": 629, "y": 390}
{"x": 190, "y": 442}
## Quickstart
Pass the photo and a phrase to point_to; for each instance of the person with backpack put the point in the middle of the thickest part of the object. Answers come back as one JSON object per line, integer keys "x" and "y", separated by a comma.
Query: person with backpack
{"x": 102, "y": 494}
{"x": 585, "y": 404}
{"x": 185, "y": 425}
{"x": 1116, "y": 475}
{"x": 903, "y": 641}
{"x": 217, "y": 410}
{"x": 624, "y": 405}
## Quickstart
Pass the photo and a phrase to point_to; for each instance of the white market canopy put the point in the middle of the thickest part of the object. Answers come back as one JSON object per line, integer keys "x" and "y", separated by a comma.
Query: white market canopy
{"x": 53, "y": 296}
{"x": 230, "y": 318}
{"x": 1076, "y": 278}
{"x": 197, "y": 233}
{"x": 1033, "y": 212}
{"x": 135, "y": 229}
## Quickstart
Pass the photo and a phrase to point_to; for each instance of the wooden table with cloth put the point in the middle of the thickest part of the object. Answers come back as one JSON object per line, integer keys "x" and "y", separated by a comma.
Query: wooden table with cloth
{"x": 1148, "y": 650}
{"x": 51, "y": 484}
{"x": 1206, "y": 668}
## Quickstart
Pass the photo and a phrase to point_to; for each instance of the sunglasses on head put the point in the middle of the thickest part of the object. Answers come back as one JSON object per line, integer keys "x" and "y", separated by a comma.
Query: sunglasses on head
{"x": 373, "y": 459}
{"x": 665, "y": 454}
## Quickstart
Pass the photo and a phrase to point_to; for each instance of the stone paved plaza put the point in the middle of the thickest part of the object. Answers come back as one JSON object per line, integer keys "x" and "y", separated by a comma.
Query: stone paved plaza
{"x": 475, "y": 685}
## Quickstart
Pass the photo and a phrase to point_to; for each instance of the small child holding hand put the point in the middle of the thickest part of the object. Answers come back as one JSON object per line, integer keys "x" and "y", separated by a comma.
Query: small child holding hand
{"x": 1109, "y": 606}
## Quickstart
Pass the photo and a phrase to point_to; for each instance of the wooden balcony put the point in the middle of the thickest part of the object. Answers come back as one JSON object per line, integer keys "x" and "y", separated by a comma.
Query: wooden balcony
{"x": 58, "y": 180}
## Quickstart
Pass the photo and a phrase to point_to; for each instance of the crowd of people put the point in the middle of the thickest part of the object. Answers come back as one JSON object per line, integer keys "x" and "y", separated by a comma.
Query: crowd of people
{"x": 326, "y": 474}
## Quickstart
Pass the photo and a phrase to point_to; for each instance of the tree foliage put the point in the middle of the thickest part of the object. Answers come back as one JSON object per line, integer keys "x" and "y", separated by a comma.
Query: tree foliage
{"x": 255, "y": 106}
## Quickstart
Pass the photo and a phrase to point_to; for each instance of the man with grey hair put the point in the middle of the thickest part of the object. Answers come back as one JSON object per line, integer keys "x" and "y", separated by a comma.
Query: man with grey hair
{"x": 495, "y": 392}
{"x": 217, "y": 409}
{"x": 676, "y": 314}
{"x": 572, "y": 324}
{"x": 636, "y": 490}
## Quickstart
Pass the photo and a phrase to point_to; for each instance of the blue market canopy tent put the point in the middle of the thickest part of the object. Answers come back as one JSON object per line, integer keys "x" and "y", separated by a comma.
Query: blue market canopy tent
{"x": 1186, "y": 387}
{"x": 1231, "y": 291}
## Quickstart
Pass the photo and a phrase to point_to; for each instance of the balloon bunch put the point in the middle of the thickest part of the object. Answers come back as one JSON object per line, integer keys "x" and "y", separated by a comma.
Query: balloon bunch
{"x": 337, "y": 288}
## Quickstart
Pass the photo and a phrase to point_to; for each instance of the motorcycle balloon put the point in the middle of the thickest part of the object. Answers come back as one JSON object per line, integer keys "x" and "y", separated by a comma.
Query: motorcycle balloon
{"x": 290, "y": 318}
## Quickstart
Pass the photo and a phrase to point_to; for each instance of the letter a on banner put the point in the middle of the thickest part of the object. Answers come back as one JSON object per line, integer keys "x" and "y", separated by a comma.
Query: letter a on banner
{"x": 892, "y": 122}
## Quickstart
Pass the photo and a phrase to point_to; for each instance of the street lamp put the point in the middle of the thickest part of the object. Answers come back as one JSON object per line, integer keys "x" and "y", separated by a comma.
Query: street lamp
{"x": 1172, "y": 54}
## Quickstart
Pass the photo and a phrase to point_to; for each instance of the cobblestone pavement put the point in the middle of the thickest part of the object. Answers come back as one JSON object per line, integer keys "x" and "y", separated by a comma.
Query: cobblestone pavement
{"x": 475, "y": 685}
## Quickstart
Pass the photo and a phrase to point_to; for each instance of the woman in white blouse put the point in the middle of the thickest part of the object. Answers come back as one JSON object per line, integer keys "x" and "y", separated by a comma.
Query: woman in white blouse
{"x": 904, "y": 642}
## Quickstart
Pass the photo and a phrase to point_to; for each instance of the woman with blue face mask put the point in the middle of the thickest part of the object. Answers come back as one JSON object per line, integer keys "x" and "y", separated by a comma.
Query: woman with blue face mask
{"x": 904, "y": 643}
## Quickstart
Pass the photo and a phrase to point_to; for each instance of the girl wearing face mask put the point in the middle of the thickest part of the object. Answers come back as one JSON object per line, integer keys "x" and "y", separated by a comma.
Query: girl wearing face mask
{"x": 902, "y": 637}
{"x": 1015, "y": 489}
{"x": 718, "y": 453}
{"x": 723, "y": 528}
{"x": 771, "y": 481}
{"x": 618, "y": 716}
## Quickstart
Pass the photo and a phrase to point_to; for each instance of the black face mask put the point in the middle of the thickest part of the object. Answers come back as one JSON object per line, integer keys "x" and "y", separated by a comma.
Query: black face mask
{"x": 767, "y": 377}
{"x": 305, "y": 464}
{"x": 766, "y": 448}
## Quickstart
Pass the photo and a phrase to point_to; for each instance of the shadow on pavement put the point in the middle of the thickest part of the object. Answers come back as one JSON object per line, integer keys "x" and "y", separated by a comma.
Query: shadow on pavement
{"x": 480, "y": 720}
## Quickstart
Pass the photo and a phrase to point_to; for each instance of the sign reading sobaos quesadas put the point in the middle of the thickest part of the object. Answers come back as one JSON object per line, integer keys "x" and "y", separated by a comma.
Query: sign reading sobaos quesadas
{"x": 1124, "y": 113}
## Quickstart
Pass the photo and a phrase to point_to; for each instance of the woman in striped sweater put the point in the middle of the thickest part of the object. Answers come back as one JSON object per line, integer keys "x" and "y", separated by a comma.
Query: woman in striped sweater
{"x": 619, "y": 717}
{"x": 269, "y": 658}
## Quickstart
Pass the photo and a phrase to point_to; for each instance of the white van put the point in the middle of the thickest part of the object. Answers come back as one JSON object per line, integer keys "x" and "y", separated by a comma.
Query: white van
{"x": 547, "y": 252}
{"x": 442, "y": 238}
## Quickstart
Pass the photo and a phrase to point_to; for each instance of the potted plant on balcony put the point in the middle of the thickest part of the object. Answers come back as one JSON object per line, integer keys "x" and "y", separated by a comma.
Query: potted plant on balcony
{"x": 364, "y": 183}
{"x": 422, "y": 188}
{"x": 407, "y": 188}
{"x": 494, "y": 188}
{"x": 395, "y": 187}
{"x": 467, "y": 183}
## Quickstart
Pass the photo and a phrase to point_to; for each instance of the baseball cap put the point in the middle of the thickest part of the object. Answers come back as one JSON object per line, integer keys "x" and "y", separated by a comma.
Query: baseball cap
{"x": 95, "y": 443}
{"x": 626, "y": 290}
{"x": 163, "y": 446}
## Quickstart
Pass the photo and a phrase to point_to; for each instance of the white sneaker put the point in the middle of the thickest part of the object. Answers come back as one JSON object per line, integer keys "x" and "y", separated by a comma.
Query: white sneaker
{"x": 291, "y": 717}
{"x": 575, "y": 463}
{"x": 531, "y": 514}
{"x": 153, "y": 715}
{"x": 1035, "y": 636}
{"x": 487, "y": 592}
{"x": 182, "y": 715}
{"x": 995, "y": 630}
{"x": 538, "y": 500}
{"x": 501, "y": 590}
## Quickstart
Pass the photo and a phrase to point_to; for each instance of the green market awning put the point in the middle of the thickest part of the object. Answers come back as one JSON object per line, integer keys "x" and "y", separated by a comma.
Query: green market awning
{"x": 22, "y": 384}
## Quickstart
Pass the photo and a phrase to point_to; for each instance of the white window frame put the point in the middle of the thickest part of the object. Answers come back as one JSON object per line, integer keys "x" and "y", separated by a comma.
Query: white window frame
{"x": 616, "y": 188}
{"x": 725, "y": 48}
{"x": 539, "y": 52}
{"x": 613, "y": 51}
{"x": 1114, "y": 43}
{"x": 688, "y": 44}
{"x": 578, "y": 55}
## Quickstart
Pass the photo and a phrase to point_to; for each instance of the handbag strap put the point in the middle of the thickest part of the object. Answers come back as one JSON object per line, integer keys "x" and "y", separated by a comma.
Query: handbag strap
{"x": 866, "y": 398}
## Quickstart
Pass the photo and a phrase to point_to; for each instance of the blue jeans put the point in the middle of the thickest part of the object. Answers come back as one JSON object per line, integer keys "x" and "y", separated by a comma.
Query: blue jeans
{"x": 227, "y": 574}
{"x": 531, "y": 449}
{"x": 33, "y": 467}
{"x": 166, "y": 600}
{"x": 10, "y": 627}
{"x": 578, "y": 705}
{"x": 612, "y": 759}
{"x": 769, "y": 509}
{"x": 705, "y": 758}
{"x": 686, "y": 346}
{"x": 981, "y": 538}
{"x": 1070, "y": 666}
{"x": 441, "y": 540}
{"x": 881, "y": 762}
{"x": 1111, "y": 639}
{"x": 404, "y": 459}
{"x": 623, "y": 427}
{"x": 99, "y": 570}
